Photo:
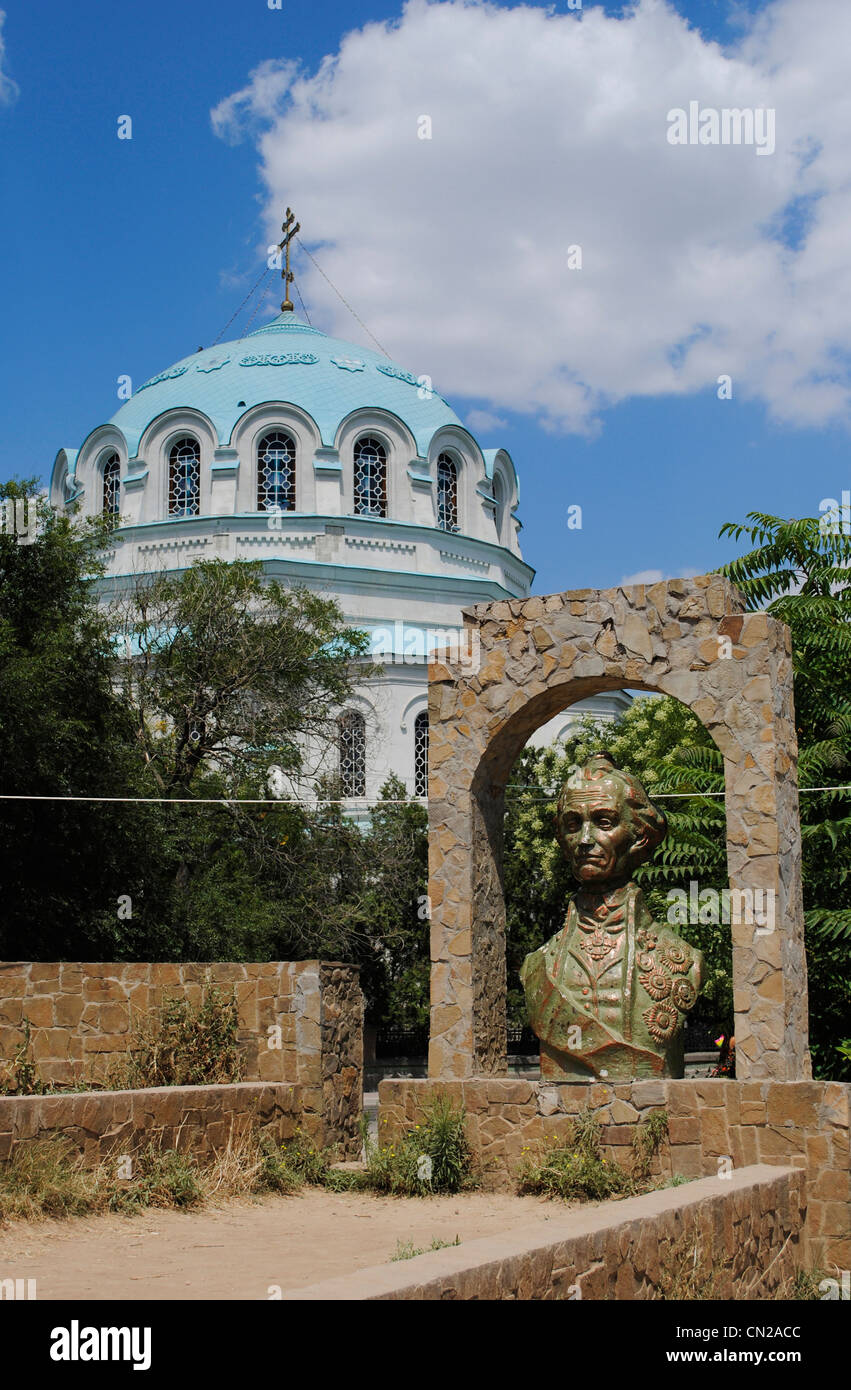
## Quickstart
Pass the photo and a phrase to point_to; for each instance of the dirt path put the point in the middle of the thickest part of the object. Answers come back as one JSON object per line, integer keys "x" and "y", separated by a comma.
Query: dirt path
{"x": 241, "y": 1249}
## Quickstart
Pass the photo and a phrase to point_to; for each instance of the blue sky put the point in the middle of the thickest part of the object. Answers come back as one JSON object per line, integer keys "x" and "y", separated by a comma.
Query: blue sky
{"x": 122, "y": 256}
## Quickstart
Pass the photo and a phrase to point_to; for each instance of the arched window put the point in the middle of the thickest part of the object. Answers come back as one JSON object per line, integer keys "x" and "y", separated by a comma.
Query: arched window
{"x": 184, "y": 478}
{"x": 111, "y": 486}
{"x": 447, "y": 493}
{"x": 276, "y": 473}
{"x": 353, "y": 753}
{"x": 421, "y": 754}
{"x": 370, "y": 477}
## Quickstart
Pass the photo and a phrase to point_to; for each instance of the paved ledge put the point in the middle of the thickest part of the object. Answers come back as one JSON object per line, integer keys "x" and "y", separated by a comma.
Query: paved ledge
{"x": 747, "y": 1226}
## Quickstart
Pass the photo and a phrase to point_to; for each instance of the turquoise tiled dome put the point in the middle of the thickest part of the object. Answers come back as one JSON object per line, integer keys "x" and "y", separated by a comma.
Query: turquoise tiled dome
{"x": 286, "y": 360}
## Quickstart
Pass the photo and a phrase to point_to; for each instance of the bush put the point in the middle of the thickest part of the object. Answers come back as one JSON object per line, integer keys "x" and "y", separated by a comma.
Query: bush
{"x": 183, "y": 1044}
{"x": 431, "y": 1157}
{"x": 161, "y": 1178}
{"x": 287, "y": 1167}
{"x": 576, "y": 1170}
{"x": 48, "y": 1178}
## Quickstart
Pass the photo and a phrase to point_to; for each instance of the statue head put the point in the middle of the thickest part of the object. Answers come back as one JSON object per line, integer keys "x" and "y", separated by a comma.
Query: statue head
{"x": 606, "y": 823}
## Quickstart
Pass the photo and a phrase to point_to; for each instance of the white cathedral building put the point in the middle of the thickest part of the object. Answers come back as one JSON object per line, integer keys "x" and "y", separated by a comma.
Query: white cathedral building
{"x": 338, "y": 470}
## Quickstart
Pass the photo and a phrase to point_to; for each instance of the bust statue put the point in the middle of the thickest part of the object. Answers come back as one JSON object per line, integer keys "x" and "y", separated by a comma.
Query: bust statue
{"x": 608, "y": 994}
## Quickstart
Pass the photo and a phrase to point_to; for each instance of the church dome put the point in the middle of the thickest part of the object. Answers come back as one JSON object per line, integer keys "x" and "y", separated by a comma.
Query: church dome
{"x": 287, "y": 360}
{"x": 305, "y": 451}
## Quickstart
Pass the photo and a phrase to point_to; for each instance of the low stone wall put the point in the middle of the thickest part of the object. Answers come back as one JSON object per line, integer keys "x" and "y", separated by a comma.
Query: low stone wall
{"x": 713, "y": 1126}
{"x": 301, "y": 1023}
{"x": 196, "y": 1119}
{"x": 738, "y": 1238}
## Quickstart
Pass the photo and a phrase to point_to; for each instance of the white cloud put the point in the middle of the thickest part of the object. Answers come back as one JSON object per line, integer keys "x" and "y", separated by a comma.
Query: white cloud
{"x": 642, "y": 577}
{"x": 549, "y": 129}
{"x": 484, "y": 421}
{"x": 655, "y": 577}
{"x": 8, "y": 88}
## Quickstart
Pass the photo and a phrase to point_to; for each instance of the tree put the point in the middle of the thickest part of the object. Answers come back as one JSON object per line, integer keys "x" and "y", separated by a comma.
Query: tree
{"x": 63, "y": 733}
{"x": 228, "y": 671}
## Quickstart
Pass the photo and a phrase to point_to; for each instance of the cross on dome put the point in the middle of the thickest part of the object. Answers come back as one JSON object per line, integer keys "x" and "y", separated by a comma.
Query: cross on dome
{"x": 287, "y": 275}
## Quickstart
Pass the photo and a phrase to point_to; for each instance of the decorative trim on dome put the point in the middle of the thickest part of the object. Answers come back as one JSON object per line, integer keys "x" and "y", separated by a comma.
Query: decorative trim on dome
{"x": 280, "y": 359}
{"x": 398, "y": 374}
{"x": 349, "y": 364}
{"x": 163, "y": 376}
{"x": 214, "y": 365}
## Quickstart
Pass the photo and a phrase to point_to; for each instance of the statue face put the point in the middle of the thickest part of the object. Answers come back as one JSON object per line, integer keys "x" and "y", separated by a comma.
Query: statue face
{"x": 598, "y": 837}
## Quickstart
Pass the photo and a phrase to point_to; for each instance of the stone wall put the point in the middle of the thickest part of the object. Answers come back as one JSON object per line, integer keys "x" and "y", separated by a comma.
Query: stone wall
{"x": 301, "y": 1023}
{"x": 745, "y": 1234}
{"x": 804, "y": 1124}
{"x": 195, "y": 1119}
{"x": 688, "y": 638}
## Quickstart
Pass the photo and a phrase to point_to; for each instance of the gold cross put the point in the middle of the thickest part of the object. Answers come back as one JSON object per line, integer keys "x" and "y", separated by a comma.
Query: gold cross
{"x": 287, "y": 276}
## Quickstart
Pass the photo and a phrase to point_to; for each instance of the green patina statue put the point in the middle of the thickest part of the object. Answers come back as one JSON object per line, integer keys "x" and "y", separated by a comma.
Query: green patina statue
{"x": 608, "y": 994}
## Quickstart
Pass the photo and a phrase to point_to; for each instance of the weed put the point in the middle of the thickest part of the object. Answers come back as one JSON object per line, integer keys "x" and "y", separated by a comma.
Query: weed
{"x": 805, "y": 1284}
{"x": 574, "y": 1169}
{"x": 646, "y": 1142}
{"x": 432, "y": 1156}
{"x": 182, "y": 1044}
{"x": 406, "y": 1250}
{"x": 691, "y": 1272}
{"x": 21, "y": 1074}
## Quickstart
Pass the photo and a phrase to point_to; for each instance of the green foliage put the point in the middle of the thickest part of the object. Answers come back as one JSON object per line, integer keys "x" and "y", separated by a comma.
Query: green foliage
{"x": 233, "y": 672}
{"x": 161, "y": 1178}
{"x": 804, "y": 1285}
{"x": 647, "y": 1141}
{"x": 398, "y": 1168}
{"x": 63, "y": 731}
{"x": 181, "y": 1044}
{"x": 574, "y": 1168}
{"x": 287, "y": 1167}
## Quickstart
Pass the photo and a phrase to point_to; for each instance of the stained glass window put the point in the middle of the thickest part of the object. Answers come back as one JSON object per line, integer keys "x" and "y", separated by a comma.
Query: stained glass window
{"x": 353, "y": 753}
{"x": 111, "y": 486}
{"x": 370, "y": 477}
{"x": 421, "y": 754}
{"x": 447, "y": 493}
{"x": 276, "y": 473}
{"x": 184, "y": 478}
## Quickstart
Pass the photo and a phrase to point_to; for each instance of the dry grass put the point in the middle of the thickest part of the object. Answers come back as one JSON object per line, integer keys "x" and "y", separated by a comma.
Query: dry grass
{"x": 49, "y": 1178}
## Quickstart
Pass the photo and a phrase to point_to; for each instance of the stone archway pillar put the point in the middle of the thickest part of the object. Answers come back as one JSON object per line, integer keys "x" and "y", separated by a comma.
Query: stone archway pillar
{"x": 526, "y": 660}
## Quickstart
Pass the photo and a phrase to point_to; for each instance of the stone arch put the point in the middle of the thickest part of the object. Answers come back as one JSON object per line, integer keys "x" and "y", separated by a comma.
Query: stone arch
{"x": 689, "y": 638}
